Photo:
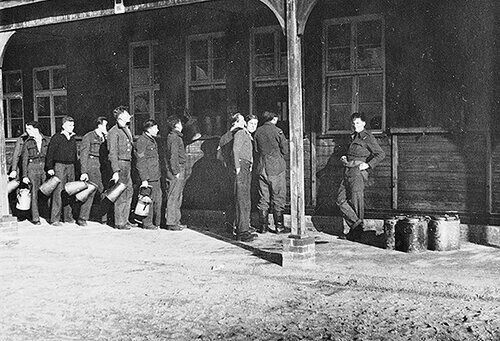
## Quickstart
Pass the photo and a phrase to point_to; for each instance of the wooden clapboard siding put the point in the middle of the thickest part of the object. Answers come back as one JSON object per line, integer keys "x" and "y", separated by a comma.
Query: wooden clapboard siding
{"x": 442, "y": 172}
{"x": 495, "y": 177}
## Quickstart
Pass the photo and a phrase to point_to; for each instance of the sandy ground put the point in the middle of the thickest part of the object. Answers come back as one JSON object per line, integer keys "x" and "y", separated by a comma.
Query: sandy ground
{"x": 96, "y": 283}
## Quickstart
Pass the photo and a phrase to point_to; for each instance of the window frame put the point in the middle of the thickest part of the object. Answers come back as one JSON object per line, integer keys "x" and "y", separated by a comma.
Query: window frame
{"x": 7, "y": 97}
{"x": 352, "y": 72}
{"x": 151, "y": 87}
{"x": 51, "y": 93}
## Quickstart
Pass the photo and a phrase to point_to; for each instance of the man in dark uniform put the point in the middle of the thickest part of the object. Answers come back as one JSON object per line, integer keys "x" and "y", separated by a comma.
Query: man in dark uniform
{"x": 60, "y": 161}
{"x": 93, "y": 150}
{"x": 148, "y": 166}
{"x": 272, "y": 146}
{"x": 33, "y": 163}
{"x": 225, "y": 155}
{"x": 176, "y": 158}
{"x": 364, "y": 153}
{"x": 120, "y": 146}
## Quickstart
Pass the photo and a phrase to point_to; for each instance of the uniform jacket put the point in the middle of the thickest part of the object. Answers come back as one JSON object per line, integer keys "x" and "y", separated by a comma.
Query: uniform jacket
{"x": 176, "y": 155}
{"x": 242, "y": 147}
{"x": 31, "y": 153}
{"x": 272, "y": 146}
{"x": 364, "y": 147}
{"x": 120, "y": 146}
{"x": 18, "y": 149}
{"x": 225, "y": 148}
{"x": 148, "y": 161}
{"x": 91, "y": 147}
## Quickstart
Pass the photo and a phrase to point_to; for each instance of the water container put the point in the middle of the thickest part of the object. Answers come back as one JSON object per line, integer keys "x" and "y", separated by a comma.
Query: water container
{"x": 84, "y": 195}
{"x": 390, "y": 231}
{"x": 24, "y": 199}
{"x": 12, "y": 186}
{"x": 50, "y": 185}
{"x": 74, "y": 187}
{"x": 411, "y": 235}
{"x": 444, "y": 233}
{"x": 114, "y": 191}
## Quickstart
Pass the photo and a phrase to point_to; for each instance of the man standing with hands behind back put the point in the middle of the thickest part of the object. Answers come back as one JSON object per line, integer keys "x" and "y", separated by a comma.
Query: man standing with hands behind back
{"x": 120, "y": 146}
{"x": 364, "y": 153}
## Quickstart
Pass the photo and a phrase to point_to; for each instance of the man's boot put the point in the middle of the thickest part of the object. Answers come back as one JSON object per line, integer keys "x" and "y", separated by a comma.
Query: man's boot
{"x": 279, "y": 223}
{"x": 263, "y": 221}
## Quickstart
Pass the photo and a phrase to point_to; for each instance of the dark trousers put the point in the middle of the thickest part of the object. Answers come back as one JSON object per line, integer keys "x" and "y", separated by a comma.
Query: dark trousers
{"x": 350, "y": 198}
{"x": 243, "y": 198}
{"x": 230, "y": 217}
{"x": 272, "y": 188}
{"x": 36, "y": 174}
{"x": 174, "y": 199}
{"x": 60, "y": 199}
{"x": 95, "y": 177}
{"x": 122, "y": 203}
{"x": 154, "y": 215}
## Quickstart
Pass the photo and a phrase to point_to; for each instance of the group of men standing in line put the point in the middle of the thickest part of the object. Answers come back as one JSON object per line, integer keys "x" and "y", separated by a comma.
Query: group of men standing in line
{"x": 242, "y": 146}
{"x": 101, "y": 153}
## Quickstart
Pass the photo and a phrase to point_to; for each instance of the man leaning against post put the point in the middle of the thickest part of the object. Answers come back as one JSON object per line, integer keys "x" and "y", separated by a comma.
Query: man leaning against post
{"x": 60, "y": 161}
{"x": 148, "y": 166}
{"x": 120, "y": 145}
{"x": 176, "y": 158}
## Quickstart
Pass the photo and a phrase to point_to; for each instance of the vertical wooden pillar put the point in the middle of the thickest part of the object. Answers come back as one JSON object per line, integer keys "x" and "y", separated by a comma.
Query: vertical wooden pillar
{"x": 4, "y": 202}
{"x": 296, "y": 122}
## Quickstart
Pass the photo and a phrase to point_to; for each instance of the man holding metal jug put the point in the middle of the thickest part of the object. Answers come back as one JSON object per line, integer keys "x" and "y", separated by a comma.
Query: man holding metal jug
{"x": 60, "y": 161}
{"x": 92, "y": 152}
{"x": 120, "y": 146}
{"x": 148, "y": 166}
{"x": 33, "y": 163}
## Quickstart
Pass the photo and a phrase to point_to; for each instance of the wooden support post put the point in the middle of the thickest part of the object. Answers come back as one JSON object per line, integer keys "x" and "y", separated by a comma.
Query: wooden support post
{"x": 296, "y": 121}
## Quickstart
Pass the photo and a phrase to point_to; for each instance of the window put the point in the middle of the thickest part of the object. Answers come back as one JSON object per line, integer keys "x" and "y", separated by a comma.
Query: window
{"x": 144, "y": 83}
{"x": 269, "y": 72}
{"x": 354, "y": 72}
{"x": 13, "y": 103}
{"x": 206, "y": 81}
{"x": 49, "y": 93}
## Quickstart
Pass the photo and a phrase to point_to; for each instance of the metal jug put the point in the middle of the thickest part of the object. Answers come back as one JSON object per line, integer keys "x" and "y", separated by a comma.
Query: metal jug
{"x": 114, "y": 191}
{"x": 74, "y": 187}
{"x": 24, "y": 199}
{"x": 50, "y": 185}
{"x": 84, "y": 195}
{"x": 144, "y": 202}
{"x": 12, "y": 186}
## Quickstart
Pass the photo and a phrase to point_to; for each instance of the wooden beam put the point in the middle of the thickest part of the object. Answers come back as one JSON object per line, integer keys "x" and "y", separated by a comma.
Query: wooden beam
{"x": 96, "y": 14}
{"x": 489, "y": 174}
{"x": 394, "y": 171}
{"x": 15, "y": 3}
{"x": 4, "y": 201}
{"x": 304, "y": 9}
{"x": 278, "y": 8}
{"x": 296, "y": 122}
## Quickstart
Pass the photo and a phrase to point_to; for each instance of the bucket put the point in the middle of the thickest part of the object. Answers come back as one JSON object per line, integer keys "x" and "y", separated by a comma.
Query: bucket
{"x": 49, "y": 185}
{"x": 24, "y": 199}
{"x": 12, "y": 186}
{"x": 444, "y": 233}
{"x": 411, "y": 235}
{"x": 390, "y": 231}
{"x": 114, "y": 191}
{"x": 144, "y": 202}
{"x": 74, "y": 187}
{"x": 84, "y": 195}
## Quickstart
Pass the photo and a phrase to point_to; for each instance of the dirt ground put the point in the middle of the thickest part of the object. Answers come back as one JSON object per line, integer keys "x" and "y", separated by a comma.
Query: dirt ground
{"x": 96, "y": 283}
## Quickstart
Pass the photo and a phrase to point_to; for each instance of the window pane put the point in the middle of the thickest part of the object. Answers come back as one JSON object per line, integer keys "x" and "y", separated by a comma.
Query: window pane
{"x": 264, "y": 65}
{"x": 141, "y": 103}
{"x": 339, "y": 117}
{"x": 370, "y": 88}
{"x": 140, "y": 55}
{"x": 199, "y": 50}
{"x": 43, "y": 106}
{"x": 373, "y": 112}
{"x": 340, "y": 90}
{"x": 60, "y": 106}
{"x": 264, "y": 43}
{"x": 283, "y": 65}
{"x": 13, "y": 82}
{"x": 199, "y": 71}
{"x": 370, "y": 33}
{"x": 59, "y": 81}
{"x": 16, "y": 108}
{"x": 156, "y": 65}
{"x": 210, "y": 107}
{"x": 219, "y": 69}
{"x": 17, "y": 127}
{"x": 140, "y": 76}
{"x": 339, "y": 47}
{"x": 58, "y": 120}
{"x": 44, "y": 125}
{"x": 369, "y": 45}
{"x": 42, "y": 80}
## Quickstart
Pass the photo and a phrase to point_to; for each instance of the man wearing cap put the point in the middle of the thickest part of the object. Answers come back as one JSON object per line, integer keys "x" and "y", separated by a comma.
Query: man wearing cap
{"x": 148, "y": 166}
{"x": 60, "y": 161}
{"x": 33, "y": 162}
{"x": 93, "y": 151}
{"x": 120, "y": 146}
